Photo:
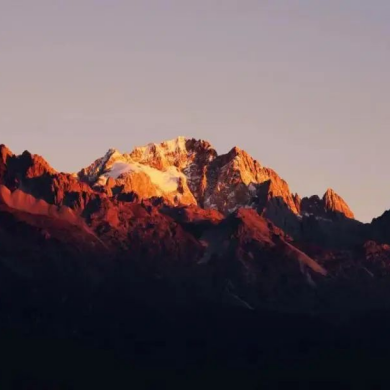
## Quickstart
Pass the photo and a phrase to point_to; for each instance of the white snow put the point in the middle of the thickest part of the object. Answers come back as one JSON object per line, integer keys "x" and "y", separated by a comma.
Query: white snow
{"x": 177, "y": 144}
{"x": 167, "y": 147}
{"x": 167, "y": 181}
{"x": 323, "y": 219}
{"x": 316, "y": 217}
{"x": 119, "y": 168}
{"x": 96, "y": 167}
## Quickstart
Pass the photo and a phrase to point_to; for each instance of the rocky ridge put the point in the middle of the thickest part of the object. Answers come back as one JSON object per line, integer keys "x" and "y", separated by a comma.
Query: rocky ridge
{"x": 188, "y": 171}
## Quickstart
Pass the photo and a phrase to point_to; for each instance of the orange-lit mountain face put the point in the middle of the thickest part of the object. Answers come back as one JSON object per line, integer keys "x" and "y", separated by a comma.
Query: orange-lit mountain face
{"x": 180, "y": 210}
{"x": 180, "y": 172}
{"x": 331, "y": 205}
{"x": 185, "y": 171}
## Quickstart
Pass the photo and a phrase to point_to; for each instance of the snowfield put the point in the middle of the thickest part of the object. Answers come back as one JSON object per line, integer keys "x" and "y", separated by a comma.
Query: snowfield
{"x": 167, "y": 181}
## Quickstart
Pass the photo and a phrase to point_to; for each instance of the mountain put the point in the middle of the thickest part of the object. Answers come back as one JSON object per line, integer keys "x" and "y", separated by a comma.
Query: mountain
{"x": 331, "y": 206}
{"x": 182, "y": 172}
{"x": 136, "y": 202}
{"x": 172, "y": 254}
{"x": 179, "y": 200}
{"x": 173, "y": 170}
{"x": 188, "y": 171}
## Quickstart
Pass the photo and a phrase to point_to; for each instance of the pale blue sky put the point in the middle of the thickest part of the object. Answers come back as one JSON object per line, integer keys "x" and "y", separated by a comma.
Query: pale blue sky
{"x": 303, "y": 86}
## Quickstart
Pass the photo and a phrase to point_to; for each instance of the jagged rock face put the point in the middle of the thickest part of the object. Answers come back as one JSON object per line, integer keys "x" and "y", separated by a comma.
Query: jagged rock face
{"x": 179, "y": 152}
{"x": 237, "y": 180}
{"x": 201, "y": 155}
{"x": 231, "y": 180}
{"x": 188, "y": 171}
{"x": 67, "y": 190}
{"x": 33, "y": 175}
{"x": 380, "y": 228}
{"x": 335, "y": 204}
{"x": 180, "y": 172}
{"x": 331, "y": 206}
{"x": 27, "y": 172}
{"x": 313, "y": 206}
{"x": 138, "y": 182}
{"x": 5, "y": 154}
{"x": 275, "y": 198}
{"x": 297, "y": 201}
{"x": 279, "y": 189}
{"x": 29, "y": 166}
{"x": 174, "y": 170}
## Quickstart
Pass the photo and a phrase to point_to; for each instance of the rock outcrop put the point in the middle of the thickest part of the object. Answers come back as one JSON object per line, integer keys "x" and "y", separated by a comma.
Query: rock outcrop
{"x": 336, "y": 205}
{"x": 5, "y": 154}
{"x": 330, "y": 206}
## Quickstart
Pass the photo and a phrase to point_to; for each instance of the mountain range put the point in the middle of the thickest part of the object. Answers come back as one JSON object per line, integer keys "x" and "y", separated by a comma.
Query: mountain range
{"x": 173, "y": 226}
{"x": 180, "y": 196}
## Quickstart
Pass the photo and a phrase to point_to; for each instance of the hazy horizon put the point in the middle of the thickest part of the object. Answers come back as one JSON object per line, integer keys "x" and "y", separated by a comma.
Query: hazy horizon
{"x": 304, "y": 88}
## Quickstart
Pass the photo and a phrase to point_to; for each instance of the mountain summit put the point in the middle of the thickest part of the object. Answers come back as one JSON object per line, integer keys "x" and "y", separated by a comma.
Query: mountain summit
{"x": 187, "y": 171}
{"x": 330, "y": 206}
{"x": 336, "y": 204}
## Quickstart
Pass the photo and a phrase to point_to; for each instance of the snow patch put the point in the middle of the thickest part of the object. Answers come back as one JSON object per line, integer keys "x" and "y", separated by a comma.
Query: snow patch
{"x": 176, "y": 145}
{"x": 167, "y": 181}
{"x": 118, "y": 169}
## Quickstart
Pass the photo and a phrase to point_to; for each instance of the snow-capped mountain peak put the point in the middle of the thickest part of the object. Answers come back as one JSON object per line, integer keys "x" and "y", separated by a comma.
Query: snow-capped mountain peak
{"x": 189, "y": 171}
{"x": 184, "y": 170}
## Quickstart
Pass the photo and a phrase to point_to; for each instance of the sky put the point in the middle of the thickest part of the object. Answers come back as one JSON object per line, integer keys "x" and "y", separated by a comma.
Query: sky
{"x": 301, "y": 85}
